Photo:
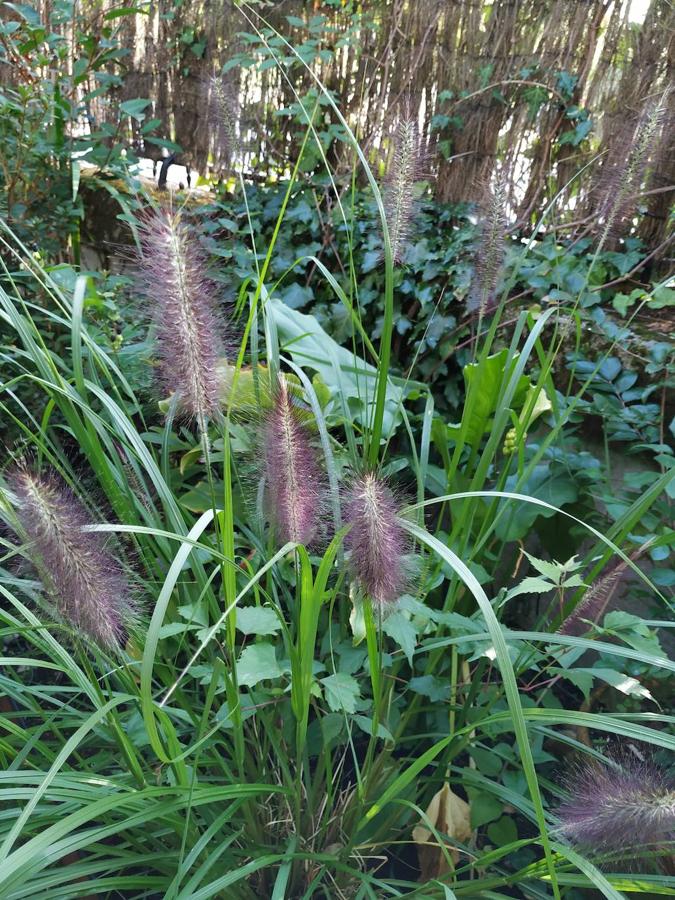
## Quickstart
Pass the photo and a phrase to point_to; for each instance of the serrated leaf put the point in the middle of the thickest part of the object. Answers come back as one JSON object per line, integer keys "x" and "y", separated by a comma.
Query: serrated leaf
{"x": 401, "y": 629}
{"x": 531, "y": 585}
{"x": 342, "y": 692}
{"x": 552, "y": 570}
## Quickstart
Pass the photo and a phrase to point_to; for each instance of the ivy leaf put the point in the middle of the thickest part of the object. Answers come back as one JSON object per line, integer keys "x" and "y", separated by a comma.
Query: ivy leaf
{"x": 484, "y": 807}
{"x": 342, "y": 692}
{"x": 431, "y": 687}
{"x": 502, "y": 832}
{"x": 257, "y": 620}
{"x": 257, "y": 663}
{"x": 296, "y": 295}
{"x": 633, "y": 631}
{"x": 662, "y": 297}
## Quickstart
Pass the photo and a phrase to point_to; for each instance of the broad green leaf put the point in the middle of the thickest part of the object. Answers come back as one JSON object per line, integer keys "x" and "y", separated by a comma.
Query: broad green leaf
{"x": 258, "y": 620}
{"x": 257, "y": 663}
{"x": 580, "y": 678}
{"x": 366, "y": 724}
{"x": 134, "y": 108}
{"x": 619, "y": 680}
{"x": 502, "y": 832}
{"x": 555, "y": 489}
{"x": 344, "y": 374}
{"x": 484, "y": 396}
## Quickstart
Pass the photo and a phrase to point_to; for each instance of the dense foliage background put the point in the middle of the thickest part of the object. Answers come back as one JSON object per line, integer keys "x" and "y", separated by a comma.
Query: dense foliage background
{"x": 217, "y": 684}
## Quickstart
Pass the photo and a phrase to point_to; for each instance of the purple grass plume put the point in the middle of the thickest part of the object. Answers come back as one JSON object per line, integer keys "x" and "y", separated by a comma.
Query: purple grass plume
{"x": 490, "y": 250}
{"x": 295, "y": 487}
{"x": 404, "y": 170}
{"x": 224, "y": 113}
{"x": 594, "y": 602}
{"x": 84, "y": 584}
{"x": 185, "y": 311}
{"x": 624, "y": 175}
{"x": 626, "y": 806}
{"x": 376, "y": 539}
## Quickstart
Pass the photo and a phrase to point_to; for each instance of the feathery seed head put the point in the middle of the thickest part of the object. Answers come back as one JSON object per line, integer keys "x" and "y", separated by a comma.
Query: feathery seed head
{"x": 185, "y": 310}
{"x": 404, "y": 170}
{"x": 224, "y": 112}
{"x": 376, "y": 540}
{"x": 623, "y": 176}
{"x": 614, "y": 808}
{"x": 293, "y": 478}
{"x": 594, "y": 602}
{"x": 490, "y": 250}
{"x": 84, "y": 584}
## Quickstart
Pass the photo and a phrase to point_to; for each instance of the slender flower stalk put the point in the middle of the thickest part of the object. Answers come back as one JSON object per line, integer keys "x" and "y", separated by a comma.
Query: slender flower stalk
{"x": 490, "y": 250}
{"x": 404, "y": 170}
{"x": 84, "y": 584}
{"x": 621, "y": 807}
{"x": 376, "y": 540}
{"x": 184, "y": 307}
{"x": 295, "y": 488}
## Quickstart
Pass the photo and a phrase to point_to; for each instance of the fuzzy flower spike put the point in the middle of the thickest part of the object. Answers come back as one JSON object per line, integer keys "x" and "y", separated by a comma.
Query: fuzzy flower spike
{"x": 624, "y": 175}
{"x": 185, "y": 311}
{"x": 376, "y": 539}
{"x": 617, "y": 808}
{"x": 293, "y": 478}
{"x": 490, "y": 250}
{"x": 224, "y": 113}
{"x": 404, "y": 170}
{"x": 83, "y": 582}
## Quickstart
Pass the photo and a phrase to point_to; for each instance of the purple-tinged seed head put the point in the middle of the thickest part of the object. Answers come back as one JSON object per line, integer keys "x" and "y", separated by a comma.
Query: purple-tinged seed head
{"x": 405, "y": 168}
{"x": 224, "y": 113}
{"x": 295, "y": 487}
{"x": 490, "y": 250}
{"x": 184, "y": 305}
{"x": 84, "y": 584}
{"x": 623, "y": 175}
{"x": 594, "y": 602}
{"x": 376, "y": 539}
{"x": 628, "y": 806}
